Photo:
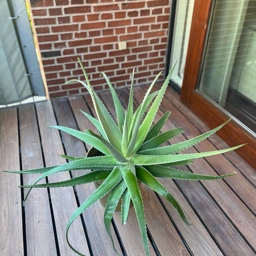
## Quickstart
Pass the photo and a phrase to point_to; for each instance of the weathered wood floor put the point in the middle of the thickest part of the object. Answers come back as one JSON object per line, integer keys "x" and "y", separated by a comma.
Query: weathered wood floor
{"x": 221, "y": 213}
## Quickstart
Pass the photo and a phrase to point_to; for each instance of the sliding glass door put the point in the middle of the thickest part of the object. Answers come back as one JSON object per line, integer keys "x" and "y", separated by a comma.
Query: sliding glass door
{"x": 219, "y": 81}
{"x": 229, "y": 68}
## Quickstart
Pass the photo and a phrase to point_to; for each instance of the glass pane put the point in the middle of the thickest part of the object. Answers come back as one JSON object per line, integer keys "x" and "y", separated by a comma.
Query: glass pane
{"x": 229, "y": 71}
{"x": 183, "y": 18}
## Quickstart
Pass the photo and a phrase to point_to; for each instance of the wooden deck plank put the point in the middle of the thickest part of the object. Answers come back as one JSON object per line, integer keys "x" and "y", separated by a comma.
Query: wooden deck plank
{"x": 40, "y": 238}
{"x": 11, "y": 239}
{"x": 99, "y": 241}
{"x": 227, "y": 200}
{"x": 52, "y": 148}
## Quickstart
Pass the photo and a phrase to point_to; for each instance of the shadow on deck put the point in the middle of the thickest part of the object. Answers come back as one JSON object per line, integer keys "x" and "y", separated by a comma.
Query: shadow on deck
{"x": 221, "y": 213}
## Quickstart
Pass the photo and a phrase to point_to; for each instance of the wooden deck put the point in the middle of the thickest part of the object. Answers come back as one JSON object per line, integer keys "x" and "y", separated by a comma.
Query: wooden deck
{"x": 221, "y": 213}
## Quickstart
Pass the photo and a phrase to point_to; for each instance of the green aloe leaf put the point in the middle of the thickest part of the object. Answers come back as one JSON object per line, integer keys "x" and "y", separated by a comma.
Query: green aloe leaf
{"x": 110, "y": 182}
{"x": 125, "y": 207}
{"x": 165, "y": 172}
{"x": 171, "y": 149}
{"x": 32, "y": 171}
{"x": 125, "y": 138}
{"x": 118, "y": 106}
{"x": 164, "y": 159}
{"x": 107, "y": 122}
{"x": 134, "y": 138}
{"x": 86, "y": 178}
{"x": 130, "y": 103}
{"x": 134, "y": 191}
{"x": 160, "y": 139}
{"x": 144, "y": 176}
{"x": 185, "y": 162}
{"x": 157, "y": 127}
{"x": 114, "y": 152}
{"x": 86, "y": 137}
{"x": 149, "y": 99}
{"x": 145, "y": 126}
{"x": 110, "y": 208}
{"x": 96, "y": 123}
{"x": 87, "y": 163}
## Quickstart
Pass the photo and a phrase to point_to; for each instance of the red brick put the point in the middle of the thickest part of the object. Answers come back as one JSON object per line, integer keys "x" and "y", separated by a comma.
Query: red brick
{"x": 81, "y": 50}
{"x": 67, "y": 59}
{"x": 48, "y": 62}
{"x": 77, "y": 1}
{"x": 143, "y": 56}
{"x": 41, "y": 12}
{"x": 167, "y": 10}
{"x": 144, "y": 20}
{"x": 42, "y": 3}
{"x": 153, "y": 60}
{"x": 106, "y": 16}
{"x": 108, "y": 67}
{"x": 134, "y": 5}
{"x": 80, "y": 34}
{"x": 157, "y": 3}
{"x": 71, "y": 86}
{"x": 93, "y": 17}
{"x": 57, "y": 94}
{"x": 48, "y": 38}
{"x": 62, "y": 2}
{"x": 51, "y": 76}
{"x": 44, "y": 21}
{"x": 131, "y": 44}
{"x": 119, "y": 23}
{"x": 131, "y": 64}
{"x": 164, "y": 40}
{"x": 165, "y": 25}
{"x": 63, "y": 19}
{"x": 143, "y": 42}
{"x": 78, "y": 9}
{"x": 120, "y": 15}
{"x": 65, "y": 28}
{"x": 107, "y": 32}
{"x": 108, "y": 61}
{"x": 80, "y": 42}
{"x": 119, "y": 31}
{"x": 129, "y": 37}
{"x": 92, "y": 1}
{"x": 95, "y": 48}
{"x": 42, "y": 30}
{"x": 65, "y": 73}
{"x": 45, "y": 46}
{"x": 132, "y": 57}
{"x": 160, "y": 47}
{"x": 55, "y": 11}
{"x": 66, "y": 36}
{"x": 79, "y": 18}
{"x": 73, "y": 92}
{"x": 94, "y": 33}
{"x": 144, "y": 28}
{"x": 142, "y": 49}
{"x": 117, "y": 53}
{"x": 133, "y": 29}
{"x": 70, "y": 66}
{"x": 144, "y": 12}
{"x": 154, "y": 41}
{"x": 105, "y": 39}
{"x": 98, "y": 55}
{"x": 153, "y": 54}
{"x": 108, "y": 47}
{"x": 56, "y": 81}
{"x": 154, "y": 34}
{"x": 120, "y": 71}
{"x": 133, "y": 14}
{"x": 156, "y": 11}
{"x": 155, "y": 26}
{"x": 68, "y": 52}
{"x": 106, "y": 7}
{"x": 96, "y": 62}
{"x": 59, "y": 45}
{"x": 96, "y": 25}
{"x": 163, "y": 18}
{"x": 53, "y": 88}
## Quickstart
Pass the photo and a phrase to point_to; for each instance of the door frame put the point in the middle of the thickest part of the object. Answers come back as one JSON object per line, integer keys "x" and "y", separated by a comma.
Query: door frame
{"x": 232, "y": 133}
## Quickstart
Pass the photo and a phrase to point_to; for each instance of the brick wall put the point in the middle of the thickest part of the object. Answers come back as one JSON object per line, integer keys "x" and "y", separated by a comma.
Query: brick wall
{"x": 91, "y": 30}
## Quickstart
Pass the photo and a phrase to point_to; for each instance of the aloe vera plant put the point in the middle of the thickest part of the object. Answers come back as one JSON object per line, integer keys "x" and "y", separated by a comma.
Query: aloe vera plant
{"x": 131, "y": 152}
